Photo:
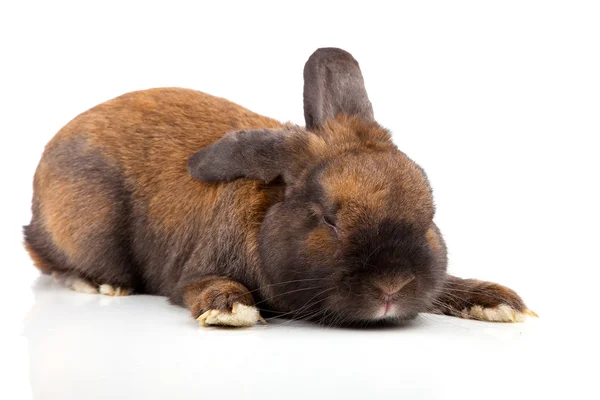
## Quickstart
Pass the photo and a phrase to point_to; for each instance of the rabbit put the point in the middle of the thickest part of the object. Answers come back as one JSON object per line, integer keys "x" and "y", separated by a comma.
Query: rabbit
{"x": 177, "y": 193}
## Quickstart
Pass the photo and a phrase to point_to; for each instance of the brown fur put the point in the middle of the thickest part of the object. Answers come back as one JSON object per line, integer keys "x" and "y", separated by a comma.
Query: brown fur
{"x": 178, "y": 193}
{"x": 434, "y": 239}
{"x": 353, "y": 138}
{"x": 41, "y": 263}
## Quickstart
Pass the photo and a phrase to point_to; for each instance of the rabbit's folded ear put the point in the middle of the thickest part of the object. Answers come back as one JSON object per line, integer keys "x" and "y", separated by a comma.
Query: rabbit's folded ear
{"x": 262, "y": 154}
{"x": 333, "y": 84}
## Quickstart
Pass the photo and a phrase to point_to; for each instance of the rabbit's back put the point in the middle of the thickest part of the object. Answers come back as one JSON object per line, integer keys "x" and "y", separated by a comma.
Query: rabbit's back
{"x": 153, "y": 132}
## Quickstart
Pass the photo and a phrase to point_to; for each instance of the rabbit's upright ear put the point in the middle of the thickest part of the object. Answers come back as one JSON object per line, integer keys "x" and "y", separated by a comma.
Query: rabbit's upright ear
{"x": 262, "y": 154}
{"x": 333, "y": 84}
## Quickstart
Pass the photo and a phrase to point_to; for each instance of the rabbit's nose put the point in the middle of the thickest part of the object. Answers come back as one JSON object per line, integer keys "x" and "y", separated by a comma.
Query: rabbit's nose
{"x": 390, "y": 286}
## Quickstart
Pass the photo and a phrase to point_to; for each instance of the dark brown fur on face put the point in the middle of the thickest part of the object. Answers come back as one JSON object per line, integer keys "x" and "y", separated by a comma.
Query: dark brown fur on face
{"x": 178, "y": 193}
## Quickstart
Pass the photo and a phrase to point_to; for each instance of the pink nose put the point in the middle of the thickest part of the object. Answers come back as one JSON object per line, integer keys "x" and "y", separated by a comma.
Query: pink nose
{"x": 391, "y": 286}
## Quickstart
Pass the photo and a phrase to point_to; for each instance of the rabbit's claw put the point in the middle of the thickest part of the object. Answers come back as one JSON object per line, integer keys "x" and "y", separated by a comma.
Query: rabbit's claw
{"x": 500, "y": 313}
{"x": 239, "y": 316}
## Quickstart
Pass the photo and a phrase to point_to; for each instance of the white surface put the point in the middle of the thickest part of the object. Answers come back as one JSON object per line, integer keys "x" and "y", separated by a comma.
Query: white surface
{"x": 141, "y": 347}
{"x": 499, "y": 102}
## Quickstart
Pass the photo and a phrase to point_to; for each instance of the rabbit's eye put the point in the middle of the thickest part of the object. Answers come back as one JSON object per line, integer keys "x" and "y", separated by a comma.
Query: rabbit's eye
{"x": 330, "y": 223}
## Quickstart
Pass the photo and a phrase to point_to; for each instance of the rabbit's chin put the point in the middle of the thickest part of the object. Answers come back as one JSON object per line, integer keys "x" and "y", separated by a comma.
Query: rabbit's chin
{"x": 383, "y": 315}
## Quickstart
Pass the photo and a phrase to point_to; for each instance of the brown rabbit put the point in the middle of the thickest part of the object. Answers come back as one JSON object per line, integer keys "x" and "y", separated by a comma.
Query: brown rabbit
{"x": 177, "y": 193}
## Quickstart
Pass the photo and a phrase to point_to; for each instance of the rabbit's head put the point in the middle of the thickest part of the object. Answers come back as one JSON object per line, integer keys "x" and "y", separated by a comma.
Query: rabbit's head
{"x": 352, "y": 240}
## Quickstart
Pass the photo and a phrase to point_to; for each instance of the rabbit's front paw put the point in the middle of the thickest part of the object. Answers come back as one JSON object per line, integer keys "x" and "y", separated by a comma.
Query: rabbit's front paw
{"x": 484, "y": 301}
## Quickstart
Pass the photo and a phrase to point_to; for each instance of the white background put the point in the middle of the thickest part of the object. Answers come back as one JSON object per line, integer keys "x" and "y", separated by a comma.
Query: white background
{"x": 498, "y": 101}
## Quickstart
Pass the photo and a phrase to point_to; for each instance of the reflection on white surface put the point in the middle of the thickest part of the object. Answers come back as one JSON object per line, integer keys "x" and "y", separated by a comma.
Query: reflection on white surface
{"x": 140, "y": 347}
